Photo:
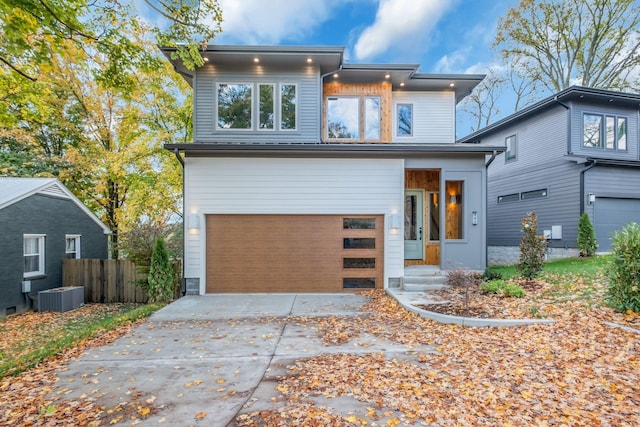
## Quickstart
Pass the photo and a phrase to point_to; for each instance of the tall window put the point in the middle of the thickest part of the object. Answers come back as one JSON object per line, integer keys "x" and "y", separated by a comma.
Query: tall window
{"x": 266, "y": 106}
{"x": 453, "y": 209}
{"x": 372, "y": 118}
{"x": 33, "y": 255}
{"x": 405, "y": 120}
{"x": 608, "y": 132}
{"x": 288, "y": 103}
{"x": 511, "y": 151}
{"x": 434, "y": 217}
{"x": 234, "y": 106}
{"x": 72, "y": 246}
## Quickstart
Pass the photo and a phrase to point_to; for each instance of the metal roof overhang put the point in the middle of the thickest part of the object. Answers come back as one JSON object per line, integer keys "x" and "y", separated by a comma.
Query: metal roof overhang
{"x": 330, "y": 150}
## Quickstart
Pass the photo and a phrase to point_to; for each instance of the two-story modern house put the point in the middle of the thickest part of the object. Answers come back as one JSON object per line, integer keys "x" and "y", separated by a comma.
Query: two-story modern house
{"x": 576, "y": 151}
{"x": 309, "y": 174}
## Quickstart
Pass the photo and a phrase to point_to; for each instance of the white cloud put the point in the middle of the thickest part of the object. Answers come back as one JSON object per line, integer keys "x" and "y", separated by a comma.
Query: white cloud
{"x": 270, "y": 22}
{"x": 399, "y": 23}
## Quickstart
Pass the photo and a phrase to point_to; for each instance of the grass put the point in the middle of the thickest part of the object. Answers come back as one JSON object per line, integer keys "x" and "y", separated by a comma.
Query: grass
{"x": 30, "y": 338}
{"x": 583, "y": 267}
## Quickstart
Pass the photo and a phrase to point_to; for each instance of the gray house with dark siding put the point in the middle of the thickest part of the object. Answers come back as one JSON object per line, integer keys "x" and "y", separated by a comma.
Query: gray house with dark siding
{"x": 576, "y": 151}
{"x": 41, "y": 223}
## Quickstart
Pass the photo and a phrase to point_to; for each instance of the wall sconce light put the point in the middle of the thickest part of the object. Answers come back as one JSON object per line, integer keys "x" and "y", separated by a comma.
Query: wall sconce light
{"x": 591, "y": 198}
{"x": 453, "y": 199}
{"x": 395, "y": 222}
{"x": 194, "y": 222}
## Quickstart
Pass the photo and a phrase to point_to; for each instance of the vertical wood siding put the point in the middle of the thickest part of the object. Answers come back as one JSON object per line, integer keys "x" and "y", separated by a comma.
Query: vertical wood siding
{"x": 205, "y": 97}
{"x": 433, "y": 117}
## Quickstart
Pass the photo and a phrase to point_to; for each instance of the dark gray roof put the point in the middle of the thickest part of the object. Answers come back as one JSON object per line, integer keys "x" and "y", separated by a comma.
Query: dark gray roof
{"x": 330, "y": 61}
{"x": 570, "y": 94}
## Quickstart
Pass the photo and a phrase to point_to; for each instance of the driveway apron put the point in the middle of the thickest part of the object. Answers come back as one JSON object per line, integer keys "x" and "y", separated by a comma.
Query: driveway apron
{"x": 202, "y": 360}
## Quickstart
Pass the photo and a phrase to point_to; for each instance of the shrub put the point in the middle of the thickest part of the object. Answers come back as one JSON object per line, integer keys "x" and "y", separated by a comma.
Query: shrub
{"x": 490, "y": 274}
{"x": 160, "y": 278}
{"x": 532, "y": 248}
{"x": 624, "y": 270}
{"x": 587, "y": 243}
{"x": 500, "y": 287}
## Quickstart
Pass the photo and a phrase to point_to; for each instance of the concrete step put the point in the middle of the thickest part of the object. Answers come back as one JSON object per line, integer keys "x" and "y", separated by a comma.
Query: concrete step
{"x": 409, "y": 287}
{"x": 423, "y": 278}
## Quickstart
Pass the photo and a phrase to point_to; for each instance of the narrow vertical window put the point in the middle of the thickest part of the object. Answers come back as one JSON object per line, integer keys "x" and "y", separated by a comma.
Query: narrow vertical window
{"x": 611, "y": 132}
{"x": 511, "y": 151}
{"x": 622, "y": 133}
{"x": 434, "y": 217}
{"x": 453, "y": 210}
{"x": 288, "y": 103}
{"x": 372, "y": 118}
{"x": 405, "y": 120}
{"x": 266, "y": 106}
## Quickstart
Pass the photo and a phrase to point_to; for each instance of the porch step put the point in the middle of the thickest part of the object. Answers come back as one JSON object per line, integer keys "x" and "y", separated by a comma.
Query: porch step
{"x": 422, "y": 278}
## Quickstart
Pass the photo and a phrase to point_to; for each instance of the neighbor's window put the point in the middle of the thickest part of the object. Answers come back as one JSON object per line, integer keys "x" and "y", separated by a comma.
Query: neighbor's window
{"x": 288, "y": 102}
{"x": 405, "y": 120}
{"x": 33, "y": 255}
{"x": 591, "y": 125}
{"x": 234, "y": 106}
{"x": 266, "y": 106}
{"x": 72, "y": 246}
{"x": 609, "y": 132}
{"x": 372, "y": 117}
{"x": 535, "y": 194}
{"x": 511, "y": 151}
{"x": 343, "y": 117}
{"x": 509, "y": 198}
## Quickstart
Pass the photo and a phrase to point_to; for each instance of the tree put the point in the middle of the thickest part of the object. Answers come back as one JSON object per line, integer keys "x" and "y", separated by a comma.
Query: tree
{"x": 624, "y": 269}
{"x": 532, "y": 248}
{"x": 594, "y": 42}
{"x": 160, "y": 278}
{"x": 587, "y": 243}
{"x": 34, "y": 31}
{"x": 482, "y": 103}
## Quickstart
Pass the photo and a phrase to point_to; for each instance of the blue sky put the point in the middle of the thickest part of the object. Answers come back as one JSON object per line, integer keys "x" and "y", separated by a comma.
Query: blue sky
{"x": 443, "y": 36}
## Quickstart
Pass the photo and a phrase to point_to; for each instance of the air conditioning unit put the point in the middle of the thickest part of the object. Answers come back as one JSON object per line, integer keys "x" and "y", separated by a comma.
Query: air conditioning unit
{"x": 61, "y": 299}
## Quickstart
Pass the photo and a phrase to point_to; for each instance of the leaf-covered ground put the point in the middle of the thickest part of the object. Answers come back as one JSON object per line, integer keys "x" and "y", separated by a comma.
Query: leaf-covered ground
{"x": 576, "y": 372}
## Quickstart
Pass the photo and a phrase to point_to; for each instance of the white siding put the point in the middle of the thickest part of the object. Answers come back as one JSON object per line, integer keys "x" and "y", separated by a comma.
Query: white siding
{"x": 293, "y": 186}
{"x": 433, "y": 117}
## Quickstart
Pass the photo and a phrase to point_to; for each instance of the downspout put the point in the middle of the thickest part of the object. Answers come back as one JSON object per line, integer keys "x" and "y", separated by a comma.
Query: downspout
{"x": 322, "y": 76}
{"x": 486, "y": 207}
{"x": 568, "y": 123}
{"x": 582, "y": 172}
{"x": 183, "y": 285}
{"x": 493, "y": 157}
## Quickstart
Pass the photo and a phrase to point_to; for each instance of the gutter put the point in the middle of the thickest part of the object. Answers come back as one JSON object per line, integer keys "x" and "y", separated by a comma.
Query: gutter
{"x": 183, "y": 285}
{"x": 555, "y": 98}
{"x": 322, "y": 76}
{"x": 493, "y": 157}
{"x": 582, "y": 172}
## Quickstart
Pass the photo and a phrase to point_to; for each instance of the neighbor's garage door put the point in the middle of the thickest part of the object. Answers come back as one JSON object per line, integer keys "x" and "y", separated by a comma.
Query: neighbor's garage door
{"x": 294, "y": 253}
{"x": 612, "y": 214}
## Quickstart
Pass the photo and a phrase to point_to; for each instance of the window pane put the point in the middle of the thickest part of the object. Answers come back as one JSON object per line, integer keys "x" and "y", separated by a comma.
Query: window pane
{"x": 611, "y": 132}
{"x": 453, "y": 210}
{"x": 266, "y": 106}
{"x": 372, "y": 118}
{"x": 71, "y": 244}
{"x": 359, "y": 283}
{"x": 359, "y": 243}
{"x": 434, "y": 217}
{"x": 405, "y": 119}
{"x": 31, "y": 246}
{"x": 511, "y": 147}
{"x": 591, "y": 127}
{"x": 536, "y": 194}
{"x": 343, "y": 118}
{"x": 234, "y": 106}
{"x": 359, "y": 262}
{"x": 622, "y": 133}
{"x": 31, "y": 263}
{"x": 288, "y": 103}
{"x": 410, "y": 217}
{"x": 509, "y": 198}
{"x": 359, "y": 223}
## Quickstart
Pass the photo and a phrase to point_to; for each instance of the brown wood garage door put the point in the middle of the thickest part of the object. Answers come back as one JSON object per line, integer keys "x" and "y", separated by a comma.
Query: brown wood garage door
{"x": 294, "y": 253}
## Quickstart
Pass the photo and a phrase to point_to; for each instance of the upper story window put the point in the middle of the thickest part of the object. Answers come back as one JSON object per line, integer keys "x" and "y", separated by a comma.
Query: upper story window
{"x": 511, "y": 151}
{"x": 604, "y": 131}
{"x": 345, "y": 120}
{"x": 33, "y": 255}
{"x": 276, "y": 106}
{"x": 72, "y": 246}
{"x": 405, "y": 120}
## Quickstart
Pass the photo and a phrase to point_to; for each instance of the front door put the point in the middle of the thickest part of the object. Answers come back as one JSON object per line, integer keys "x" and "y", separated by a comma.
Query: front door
{"x": 414, "y": 224}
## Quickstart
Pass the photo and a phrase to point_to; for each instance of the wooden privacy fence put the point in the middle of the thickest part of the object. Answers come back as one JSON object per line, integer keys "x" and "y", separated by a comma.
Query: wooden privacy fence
{"x": 104, "y": 280}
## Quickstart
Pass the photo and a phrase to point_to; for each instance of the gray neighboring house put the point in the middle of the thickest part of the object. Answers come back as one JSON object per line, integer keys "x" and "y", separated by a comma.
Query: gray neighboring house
{"x": 41, "y": 223}
{"x": 576, "y": 151}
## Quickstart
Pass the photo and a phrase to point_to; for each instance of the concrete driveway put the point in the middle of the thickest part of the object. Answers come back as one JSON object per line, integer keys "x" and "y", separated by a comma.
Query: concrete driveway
{"x": 202, "y": 360}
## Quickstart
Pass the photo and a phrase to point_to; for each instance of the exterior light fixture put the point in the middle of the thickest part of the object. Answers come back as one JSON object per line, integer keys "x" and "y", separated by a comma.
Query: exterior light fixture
{"x": 453, "y": 199}
{"x": 394, "y": 222}
{"x": 256, "y": 60}
{"x": 309, "y": 60}
{"x": 335, "y": 75}
{"x": 387, "y": 76}
{"x": 206, "y": 59}
{"x": 452, "y": 84}
{"x": 591, "y": 198}
{"x": 193, "y": 222}
{"x": 402, "y": 84}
